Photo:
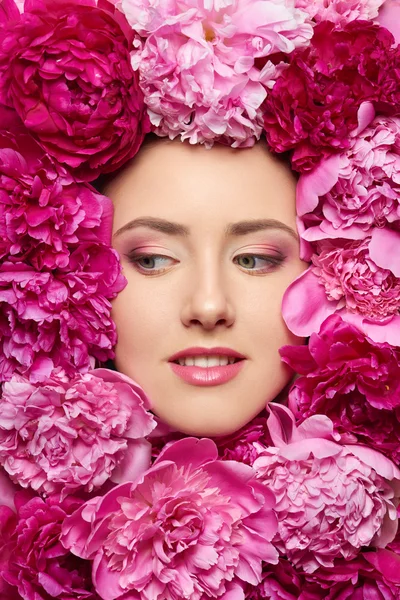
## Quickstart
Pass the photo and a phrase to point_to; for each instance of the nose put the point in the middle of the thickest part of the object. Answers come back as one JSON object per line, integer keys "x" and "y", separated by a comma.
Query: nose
{"x": 208, "y": 304}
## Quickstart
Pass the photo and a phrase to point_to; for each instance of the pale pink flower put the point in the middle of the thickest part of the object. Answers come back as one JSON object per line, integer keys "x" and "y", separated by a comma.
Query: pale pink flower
{"x": 65, "y": 435}
{"x": 191, "y": 527}
{"x": 389, "y": 17}
{"x": 332, "y": 499}
{"x": 340, "y": 11}
{"x": 198, "y": 63}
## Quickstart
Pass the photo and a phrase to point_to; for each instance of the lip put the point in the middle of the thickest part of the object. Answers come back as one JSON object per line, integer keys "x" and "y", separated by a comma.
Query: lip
{"x": 207, "y": 376}
{"x": 201, "y": 351}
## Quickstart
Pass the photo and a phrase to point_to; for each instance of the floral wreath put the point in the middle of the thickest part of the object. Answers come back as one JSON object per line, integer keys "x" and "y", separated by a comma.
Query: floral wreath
{"x": 97, "y": 502}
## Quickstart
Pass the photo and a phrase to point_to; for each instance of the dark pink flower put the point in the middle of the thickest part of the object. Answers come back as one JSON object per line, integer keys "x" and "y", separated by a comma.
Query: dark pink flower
{"x": 44, "y": 215}
{"x": 192, "y": 526}
{"x": 247, "y": 443}
{"x": 58, "y": 319}
{"x": 315, "y": 104}
{"x": 33, "y": 560}
{"x": 65, "y": 67}
{"x": 352, "y": 380}
{"x": 66, "y": 435}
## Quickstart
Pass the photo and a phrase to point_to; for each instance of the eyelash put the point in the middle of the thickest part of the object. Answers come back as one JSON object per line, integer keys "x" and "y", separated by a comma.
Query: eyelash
{"x": 273, "y": 261}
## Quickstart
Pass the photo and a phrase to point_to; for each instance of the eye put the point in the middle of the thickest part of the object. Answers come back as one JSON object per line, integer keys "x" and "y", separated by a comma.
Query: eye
{"x": 259, "y": 263}
{"x": 150, "y": 263}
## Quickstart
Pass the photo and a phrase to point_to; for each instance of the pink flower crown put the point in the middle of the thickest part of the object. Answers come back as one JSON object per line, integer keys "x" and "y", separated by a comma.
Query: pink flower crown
{"x": 95, "y": 501}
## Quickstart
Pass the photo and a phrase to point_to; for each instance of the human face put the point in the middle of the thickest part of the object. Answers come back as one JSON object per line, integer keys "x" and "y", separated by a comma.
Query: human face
{"x": 208, "y": 244}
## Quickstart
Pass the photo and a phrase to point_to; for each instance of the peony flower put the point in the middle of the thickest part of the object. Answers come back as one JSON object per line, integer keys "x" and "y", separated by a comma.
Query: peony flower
{"x": 61, "y": 318}
{"x": 349, "y": 194}
{"x": 352, "y": 380}
{"x": 340, "y": 12}
{"x": 65, "y": 67}
{"x": 33, "y": 560}
{"x": 329, "y": 91}
{"x": 331, "y": 499}
{"x": 247, "y": 443}
{"x": 44, "y": 215}
{"x": 279, "y": 582}
{"x": 199, "y": 63}
{"x": 389, "y": 17}
{"x": 63, "y": 435}
{"x": 190, "y": 527}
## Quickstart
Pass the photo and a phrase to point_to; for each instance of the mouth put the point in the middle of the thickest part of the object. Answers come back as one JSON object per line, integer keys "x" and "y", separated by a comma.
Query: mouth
{"x": 205, "y": 362}
{"x": 198, "y": 367}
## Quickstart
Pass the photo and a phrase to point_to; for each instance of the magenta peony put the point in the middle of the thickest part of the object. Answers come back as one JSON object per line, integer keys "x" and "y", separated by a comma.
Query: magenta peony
{"x": 352, "y": 380}
{"x": 340, "y": 11}
{"x": 198, "y": 63}
{"x": 44, "y": 216}
{"x": 349, "y": 194}
{"x": 331, "y": 499}
{"x": 188, "y": 528}
{"x": 63, "y": 435}
{"x": 33, "y": 561}
{"x": 65, "y": 67}
{"x": 58, "y": 319}
{"x": 325, "y": 92}
{"x": 247, "y": 443}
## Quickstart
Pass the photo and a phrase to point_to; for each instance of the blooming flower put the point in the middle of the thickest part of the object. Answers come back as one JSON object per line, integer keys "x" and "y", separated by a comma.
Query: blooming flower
{"x": 198, "y": 63}
{"x": 33, "y": 560}
{"x": 340, "y": 11}
{"x": 349, "y": 194}
{"x": 352, "y": 380}
{"x": 66, "y": 69}
{"x": 64, "y": 435}
{"x": 247, "y": 443}
{"x": 327, "y": 91}
{"x": 331, "y": 499}
{"x": 187, "y": 528}
{"x": 44, "y": 215}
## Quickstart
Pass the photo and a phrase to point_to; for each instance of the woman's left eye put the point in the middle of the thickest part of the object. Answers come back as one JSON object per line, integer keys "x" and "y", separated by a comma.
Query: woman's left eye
{"x": 150, "y": 263}
{"x": 260, "y": 263}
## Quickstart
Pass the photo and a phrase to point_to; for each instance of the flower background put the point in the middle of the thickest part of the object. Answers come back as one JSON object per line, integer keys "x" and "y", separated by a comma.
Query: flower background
{"x": 98, "y": 500}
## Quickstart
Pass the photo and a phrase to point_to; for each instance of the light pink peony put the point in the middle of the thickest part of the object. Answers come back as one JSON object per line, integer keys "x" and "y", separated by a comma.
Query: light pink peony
{"x": 205, "y": 67}
{"x": 65, "y": 68}
{"x": 349, "y": 194}
{"x": 63, "y": 435}
{"x": 61, "y": 318}
{"x": 332, "y": 499}
{"x": 389, "y": 17}
{"x": 340, "y": 11}
{"x": 190, "y": 527}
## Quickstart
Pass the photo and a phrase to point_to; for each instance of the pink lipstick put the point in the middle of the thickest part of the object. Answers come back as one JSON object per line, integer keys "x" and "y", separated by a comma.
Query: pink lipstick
{"x": 207, "y": 366}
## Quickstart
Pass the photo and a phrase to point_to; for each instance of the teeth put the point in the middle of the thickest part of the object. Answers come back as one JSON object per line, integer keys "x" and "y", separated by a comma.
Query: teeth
{"x": 206, "y": 361}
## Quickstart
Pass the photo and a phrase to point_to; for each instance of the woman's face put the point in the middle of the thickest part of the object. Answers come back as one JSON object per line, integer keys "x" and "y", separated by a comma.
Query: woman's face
{"x": 208, "y": 244}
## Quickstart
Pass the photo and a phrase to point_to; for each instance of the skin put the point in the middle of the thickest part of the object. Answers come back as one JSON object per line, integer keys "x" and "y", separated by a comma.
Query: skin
{"x": 203, "y": 291}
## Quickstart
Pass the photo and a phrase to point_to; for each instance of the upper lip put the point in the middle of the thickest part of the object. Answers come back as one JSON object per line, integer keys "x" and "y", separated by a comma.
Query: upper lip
{"x": 200, "y": 351}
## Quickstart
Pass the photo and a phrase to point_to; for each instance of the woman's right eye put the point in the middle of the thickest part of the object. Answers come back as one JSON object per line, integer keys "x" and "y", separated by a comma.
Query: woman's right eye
{"x": 150, "y": 263}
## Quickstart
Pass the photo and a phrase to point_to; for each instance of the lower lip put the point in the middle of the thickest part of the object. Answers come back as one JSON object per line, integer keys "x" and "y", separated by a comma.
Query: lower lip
{"x": 207, "y": 376}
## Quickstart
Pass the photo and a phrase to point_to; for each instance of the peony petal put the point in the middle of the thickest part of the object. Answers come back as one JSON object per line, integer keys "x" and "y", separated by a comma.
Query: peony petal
{"x": 389, "y": 17}
{"x": 311, "y": 186}
{"x": 305, "y": 305}
{"x": 196, "y": 451}
{"x": 136, "y": 460}
{"x": 387, "y": 563}
{"x": 377, "y": 461}
{"x": 365, "y": 116}
{"x": 384, "y": 249}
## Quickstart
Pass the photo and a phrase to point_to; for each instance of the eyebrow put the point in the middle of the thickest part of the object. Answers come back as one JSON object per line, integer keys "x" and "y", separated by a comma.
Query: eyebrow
{"x": 233, "y": 229}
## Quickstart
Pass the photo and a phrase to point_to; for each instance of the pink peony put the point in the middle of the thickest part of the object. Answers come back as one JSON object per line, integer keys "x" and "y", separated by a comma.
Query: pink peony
{"x": 352, "y": 380}
{"x": 340, "y": 11}
{"x": 61, "y": 318}
{"x": 66, "y": 69}
{"x": 389, "y": 17}
{"x": 190, "y": 527}
{"x": 349, "y": 194}
{"x": 331, "y": 499}
{"x": 44, "y": 216}
{"x": 327, "y": 91}
{"x": 63, "y": 435}
{"x": 33, "y": 560}
{"x": 199, "y": 63}
{"x": 247, "y": 443}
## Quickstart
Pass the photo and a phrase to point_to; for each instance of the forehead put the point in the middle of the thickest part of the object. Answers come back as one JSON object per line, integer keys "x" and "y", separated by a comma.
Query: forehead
{"x": 176, "y": 181}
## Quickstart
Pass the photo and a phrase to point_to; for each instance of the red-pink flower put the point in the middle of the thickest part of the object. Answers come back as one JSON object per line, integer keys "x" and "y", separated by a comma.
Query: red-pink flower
{"x": 331, "y": 499}
{"x": 352, "y": 380}
{"x": 33, "y": 560}
{"x": 65, "y": 67}
{"x": 247, "y": 443}
{"x": 66, "y": 435}
{"x": 191, "y": 527}
{"x": 314, "y": 105}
